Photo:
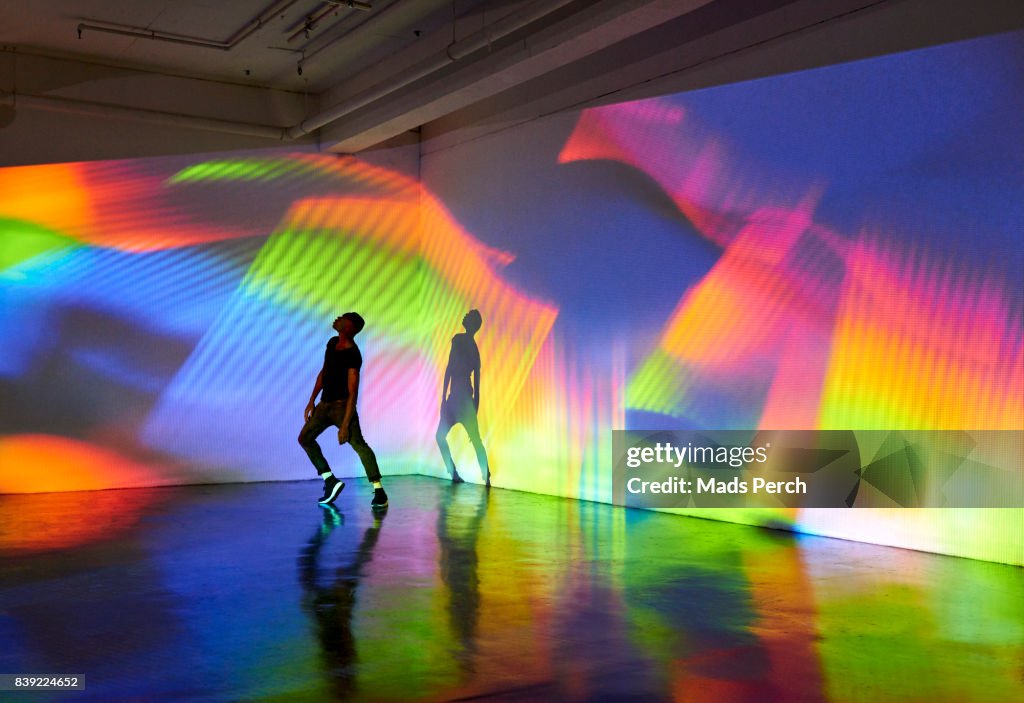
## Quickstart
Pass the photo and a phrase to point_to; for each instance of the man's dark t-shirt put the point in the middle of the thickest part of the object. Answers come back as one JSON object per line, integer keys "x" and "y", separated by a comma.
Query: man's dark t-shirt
{"x": 337, "y": 362}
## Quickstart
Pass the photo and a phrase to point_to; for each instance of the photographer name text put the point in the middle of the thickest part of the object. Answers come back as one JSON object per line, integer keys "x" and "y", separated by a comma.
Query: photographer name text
{"x": 736, "y": 485}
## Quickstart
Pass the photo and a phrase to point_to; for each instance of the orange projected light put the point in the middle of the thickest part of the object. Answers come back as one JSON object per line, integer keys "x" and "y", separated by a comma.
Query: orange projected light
{"x": 54, "y": 196}
{"x": 103, "y": 515}
{"x": 763, "y": 313}
{"x": 43, "y": 463}
{"x": 946, "y": 353}
{"x": 106, "y": 204}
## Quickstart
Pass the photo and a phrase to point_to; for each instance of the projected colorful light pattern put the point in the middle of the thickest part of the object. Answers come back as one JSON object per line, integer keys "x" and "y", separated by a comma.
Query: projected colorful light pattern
{"x": 857, "y": 331}
{"x": 789, "y": 284}
{"x": 201, "y": 341}
{"x": 170, "y": 313}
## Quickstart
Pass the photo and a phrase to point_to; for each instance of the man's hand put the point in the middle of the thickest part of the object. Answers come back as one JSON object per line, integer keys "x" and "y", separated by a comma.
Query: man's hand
{"x": 342, "y": 435}
{"x": 309, "y": 411}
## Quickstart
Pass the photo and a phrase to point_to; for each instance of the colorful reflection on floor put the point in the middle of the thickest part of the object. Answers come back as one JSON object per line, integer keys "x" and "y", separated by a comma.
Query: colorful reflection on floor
{"x": 252, "y": 592}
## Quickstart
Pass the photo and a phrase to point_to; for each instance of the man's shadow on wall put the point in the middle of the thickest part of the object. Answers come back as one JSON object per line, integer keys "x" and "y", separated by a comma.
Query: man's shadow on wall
{"x": 460, "y": 397}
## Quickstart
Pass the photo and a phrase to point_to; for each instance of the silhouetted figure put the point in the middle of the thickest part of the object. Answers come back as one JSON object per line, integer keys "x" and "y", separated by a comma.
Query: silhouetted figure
{"x": 460, "y": 396}
{"x": 339, "y": 381}
{"x": 332, "y": 605}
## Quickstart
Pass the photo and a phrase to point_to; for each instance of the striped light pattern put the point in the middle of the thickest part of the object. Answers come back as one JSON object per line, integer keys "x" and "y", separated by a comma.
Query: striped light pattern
{"x": 948, "y": 352}
{"x": 546, "y": 411}
{"x": 399, "y": 260}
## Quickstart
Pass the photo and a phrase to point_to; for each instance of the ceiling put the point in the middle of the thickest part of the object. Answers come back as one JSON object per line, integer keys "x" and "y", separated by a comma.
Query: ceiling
{"x": 328, "y": 39}
{"x": 351, "y": 74}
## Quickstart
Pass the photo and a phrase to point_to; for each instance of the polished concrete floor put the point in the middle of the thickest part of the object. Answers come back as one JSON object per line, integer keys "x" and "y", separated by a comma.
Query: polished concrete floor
{"x": 255, "y": 593}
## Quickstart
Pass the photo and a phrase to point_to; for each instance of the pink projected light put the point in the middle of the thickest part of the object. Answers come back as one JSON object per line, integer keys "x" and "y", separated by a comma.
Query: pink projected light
{"x": 685, "y": 159}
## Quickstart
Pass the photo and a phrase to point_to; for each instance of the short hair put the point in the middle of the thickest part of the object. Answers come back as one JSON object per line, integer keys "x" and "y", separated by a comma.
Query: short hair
{"x": 473, "y": 320}
{"x": 356, "y": 319}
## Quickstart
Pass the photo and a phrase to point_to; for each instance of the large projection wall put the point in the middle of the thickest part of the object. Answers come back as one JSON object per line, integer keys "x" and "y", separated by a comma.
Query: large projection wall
{"x": 839, "y": 248}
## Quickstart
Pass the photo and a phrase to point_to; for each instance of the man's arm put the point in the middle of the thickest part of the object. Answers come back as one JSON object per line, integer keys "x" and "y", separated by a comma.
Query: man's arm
{"x": 317, "y": 387}
{"x": 476, "y": 377}
{"x": 476, "y": 386}
{"x": 350, "y": 405}
{"x": 446, "y": 382}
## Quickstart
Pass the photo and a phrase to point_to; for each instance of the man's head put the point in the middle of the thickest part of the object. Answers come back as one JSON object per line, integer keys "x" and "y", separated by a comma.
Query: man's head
{"x": 472, "y": 321}
{"x": 349, "y": 324}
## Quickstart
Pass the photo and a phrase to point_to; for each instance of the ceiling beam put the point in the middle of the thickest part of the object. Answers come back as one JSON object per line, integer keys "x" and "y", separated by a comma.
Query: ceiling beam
{"x": 582, "y": 29}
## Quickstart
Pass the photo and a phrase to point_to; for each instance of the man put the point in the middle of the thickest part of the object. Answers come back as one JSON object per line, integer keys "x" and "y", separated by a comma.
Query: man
{"x": 339, "y": 381}
{"x": 461, "y": 404}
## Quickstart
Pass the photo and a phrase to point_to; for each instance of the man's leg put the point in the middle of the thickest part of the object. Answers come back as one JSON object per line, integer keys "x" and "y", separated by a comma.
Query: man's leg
{"x": 369, "y": 460}
{"x": 444, "y": 426}
{"x": 366, "y": 455}
{"x": 469, "y": 421}
{"x": 314, "y": 427}
{"x": 316, "y": 424}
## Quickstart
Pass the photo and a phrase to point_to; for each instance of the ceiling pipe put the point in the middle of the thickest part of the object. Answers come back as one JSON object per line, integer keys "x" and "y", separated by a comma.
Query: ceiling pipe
{"x": 455, "y": 51}
{"x": 308, "y": 25}
{"x": 83, "y": 107}
{"x": 375, "y": 18}
{"x": 226, "y": 45}
{"x": 352, "y": 4}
